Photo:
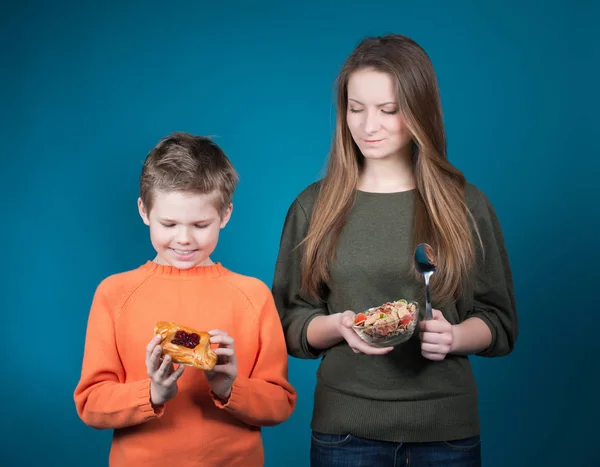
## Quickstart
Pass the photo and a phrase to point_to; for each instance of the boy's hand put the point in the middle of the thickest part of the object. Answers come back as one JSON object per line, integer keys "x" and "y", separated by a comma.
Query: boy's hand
{"x": 222, "y": 376}
{"x": 163, "y": 374}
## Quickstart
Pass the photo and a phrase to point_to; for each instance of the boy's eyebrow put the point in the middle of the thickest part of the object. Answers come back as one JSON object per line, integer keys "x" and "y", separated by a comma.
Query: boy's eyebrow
{"x": 171, "y": 221}
{"x": 378, "y": 105}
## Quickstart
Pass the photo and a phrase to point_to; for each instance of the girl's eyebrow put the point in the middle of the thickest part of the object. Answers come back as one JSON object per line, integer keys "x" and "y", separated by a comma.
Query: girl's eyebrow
{"x": 378, "y": 105}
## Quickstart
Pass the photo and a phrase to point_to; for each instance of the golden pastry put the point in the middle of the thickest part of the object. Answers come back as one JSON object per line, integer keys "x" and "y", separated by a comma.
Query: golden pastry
{"x": 186, "y": 346}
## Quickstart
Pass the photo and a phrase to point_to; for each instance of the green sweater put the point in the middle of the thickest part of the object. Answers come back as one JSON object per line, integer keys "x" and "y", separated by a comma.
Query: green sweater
{"x": 401, "y": 396}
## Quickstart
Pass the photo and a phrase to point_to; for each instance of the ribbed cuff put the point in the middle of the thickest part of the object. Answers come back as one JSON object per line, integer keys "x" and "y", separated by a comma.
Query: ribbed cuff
{"x": 144, "y": 402}
{"x": 237, "y": 397}
{"x": 309, "y": 351}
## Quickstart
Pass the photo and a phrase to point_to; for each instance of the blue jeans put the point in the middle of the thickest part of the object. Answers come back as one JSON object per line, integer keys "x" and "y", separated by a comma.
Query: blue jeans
{"x": 350, "y": 451}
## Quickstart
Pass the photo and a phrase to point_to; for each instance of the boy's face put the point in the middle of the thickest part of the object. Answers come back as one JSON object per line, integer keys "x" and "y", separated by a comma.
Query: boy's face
{"x": 184, "y": 227}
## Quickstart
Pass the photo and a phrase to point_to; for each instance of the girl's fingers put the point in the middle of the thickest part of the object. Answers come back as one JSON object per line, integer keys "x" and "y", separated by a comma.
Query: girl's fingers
{"x": 433, "y": 356}
{"x": 369, "y": 350}
{"x": 433, "y": 348}
{"x": 356, "y": 343}
{"x": 348, "y": 319}
{"x": 436, "y": 338}
{"x": 433, "y": 325}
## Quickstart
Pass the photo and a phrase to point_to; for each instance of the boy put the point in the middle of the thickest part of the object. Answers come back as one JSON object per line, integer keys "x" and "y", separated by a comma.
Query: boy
{"x": 161, "y": 414}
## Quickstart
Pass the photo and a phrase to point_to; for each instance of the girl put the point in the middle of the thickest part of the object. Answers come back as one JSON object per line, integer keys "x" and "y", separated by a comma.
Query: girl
{"x": 347, "y": 245}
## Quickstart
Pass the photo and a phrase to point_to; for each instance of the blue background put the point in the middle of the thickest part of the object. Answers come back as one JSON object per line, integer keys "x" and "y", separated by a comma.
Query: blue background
{"x": 86, "y": 91}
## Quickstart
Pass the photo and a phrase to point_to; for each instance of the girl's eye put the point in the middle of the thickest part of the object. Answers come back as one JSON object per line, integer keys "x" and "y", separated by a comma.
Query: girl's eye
{"x": 355, "y": 111}
{"x": 390, "y": 112}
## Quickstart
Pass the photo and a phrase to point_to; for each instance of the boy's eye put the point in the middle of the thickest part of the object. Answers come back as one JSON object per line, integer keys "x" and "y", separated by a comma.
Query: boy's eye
{"x": 167, "y": 225}
{"x": 201, "y": 226}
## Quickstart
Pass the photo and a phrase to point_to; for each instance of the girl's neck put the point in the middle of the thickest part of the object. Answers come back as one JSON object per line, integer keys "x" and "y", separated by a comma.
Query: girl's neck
{"x": 389, "y": 175}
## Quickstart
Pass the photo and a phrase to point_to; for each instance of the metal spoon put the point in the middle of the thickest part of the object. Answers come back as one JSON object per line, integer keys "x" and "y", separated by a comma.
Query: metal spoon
{"x": 426, "y": 264}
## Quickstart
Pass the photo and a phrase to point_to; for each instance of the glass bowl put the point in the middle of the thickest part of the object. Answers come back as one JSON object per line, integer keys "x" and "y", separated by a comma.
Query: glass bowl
{"x": 388, "y": 332}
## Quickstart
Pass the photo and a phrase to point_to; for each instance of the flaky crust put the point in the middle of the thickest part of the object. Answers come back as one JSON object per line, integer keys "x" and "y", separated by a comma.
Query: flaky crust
{"x": 201, "y": 356}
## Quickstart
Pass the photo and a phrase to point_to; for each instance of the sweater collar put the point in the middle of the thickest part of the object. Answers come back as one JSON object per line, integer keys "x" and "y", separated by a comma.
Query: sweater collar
{"x": 213, "y": 270}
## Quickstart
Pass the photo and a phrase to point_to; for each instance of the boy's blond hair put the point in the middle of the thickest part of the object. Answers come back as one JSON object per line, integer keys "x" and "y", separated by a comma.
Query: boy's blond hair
{"x": 184, "y": 162}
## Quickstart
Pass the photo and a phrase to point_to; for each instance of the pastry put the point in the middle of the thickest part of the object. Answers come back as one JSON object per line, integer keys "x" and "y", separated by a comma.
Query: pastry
{"x": 186, "y": 346}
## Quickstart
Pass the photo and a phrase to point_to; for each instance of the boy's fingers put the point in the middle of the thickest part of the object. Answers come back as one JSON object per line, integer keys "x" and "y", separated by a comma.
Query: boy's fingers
{"x": 225, "y": 352}
{"x": 222, "y": 339}
{"x": 152, "y": 360}
{"x": 176, "y": 374}
{"x": 163, "y": 370}
{"x": 153, "y": 343}
{"x": 224, "y": 369}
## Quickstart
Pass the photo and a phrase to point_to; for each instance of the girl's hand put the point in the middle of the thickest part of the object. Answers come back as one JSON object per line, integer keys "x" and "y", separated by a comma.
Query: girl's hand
{"x": 346, "y": 321}
{"x": 436, "y": 336}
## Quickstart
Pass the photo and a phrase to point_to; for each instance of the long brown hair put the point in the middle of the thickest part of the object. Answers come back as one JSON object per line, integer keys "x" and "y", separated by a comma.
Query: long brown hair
{"x": 440, "y": 209}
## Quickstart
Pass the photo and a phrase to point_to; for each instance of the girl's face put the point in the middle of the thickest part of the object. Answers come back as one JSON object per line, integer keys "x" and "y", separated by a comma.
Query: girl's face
{"x": 374, "y": 117}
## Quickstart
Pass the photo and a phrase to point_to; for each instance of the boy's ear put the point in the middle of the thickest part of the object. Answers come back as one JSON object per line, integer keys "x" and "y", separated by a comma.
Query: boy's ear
{"x": 143, "y": 212}
{"x": 226, "y": 215}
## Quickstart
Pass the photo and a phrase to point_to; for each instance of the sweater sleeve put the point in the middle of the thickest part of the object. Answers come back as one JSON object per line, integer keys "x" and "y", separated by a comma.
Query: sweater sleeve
{"x": 102, "y": 399}
{"x": 493, "y": 297}
{"x": 265, "y": 398}
{"x": 295, "y": 310}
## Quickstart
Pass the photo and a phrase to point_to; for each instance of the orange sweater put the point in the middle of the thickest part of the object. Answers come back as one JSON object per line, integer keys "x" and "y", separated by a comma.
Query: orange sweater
{"x": 193, "y": 428}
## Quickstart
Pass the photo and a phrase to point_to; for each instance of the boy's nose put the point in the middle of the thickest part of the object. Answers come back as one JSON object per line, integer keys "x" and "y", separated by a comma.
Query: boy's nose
{"x": 183, "y": 238}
